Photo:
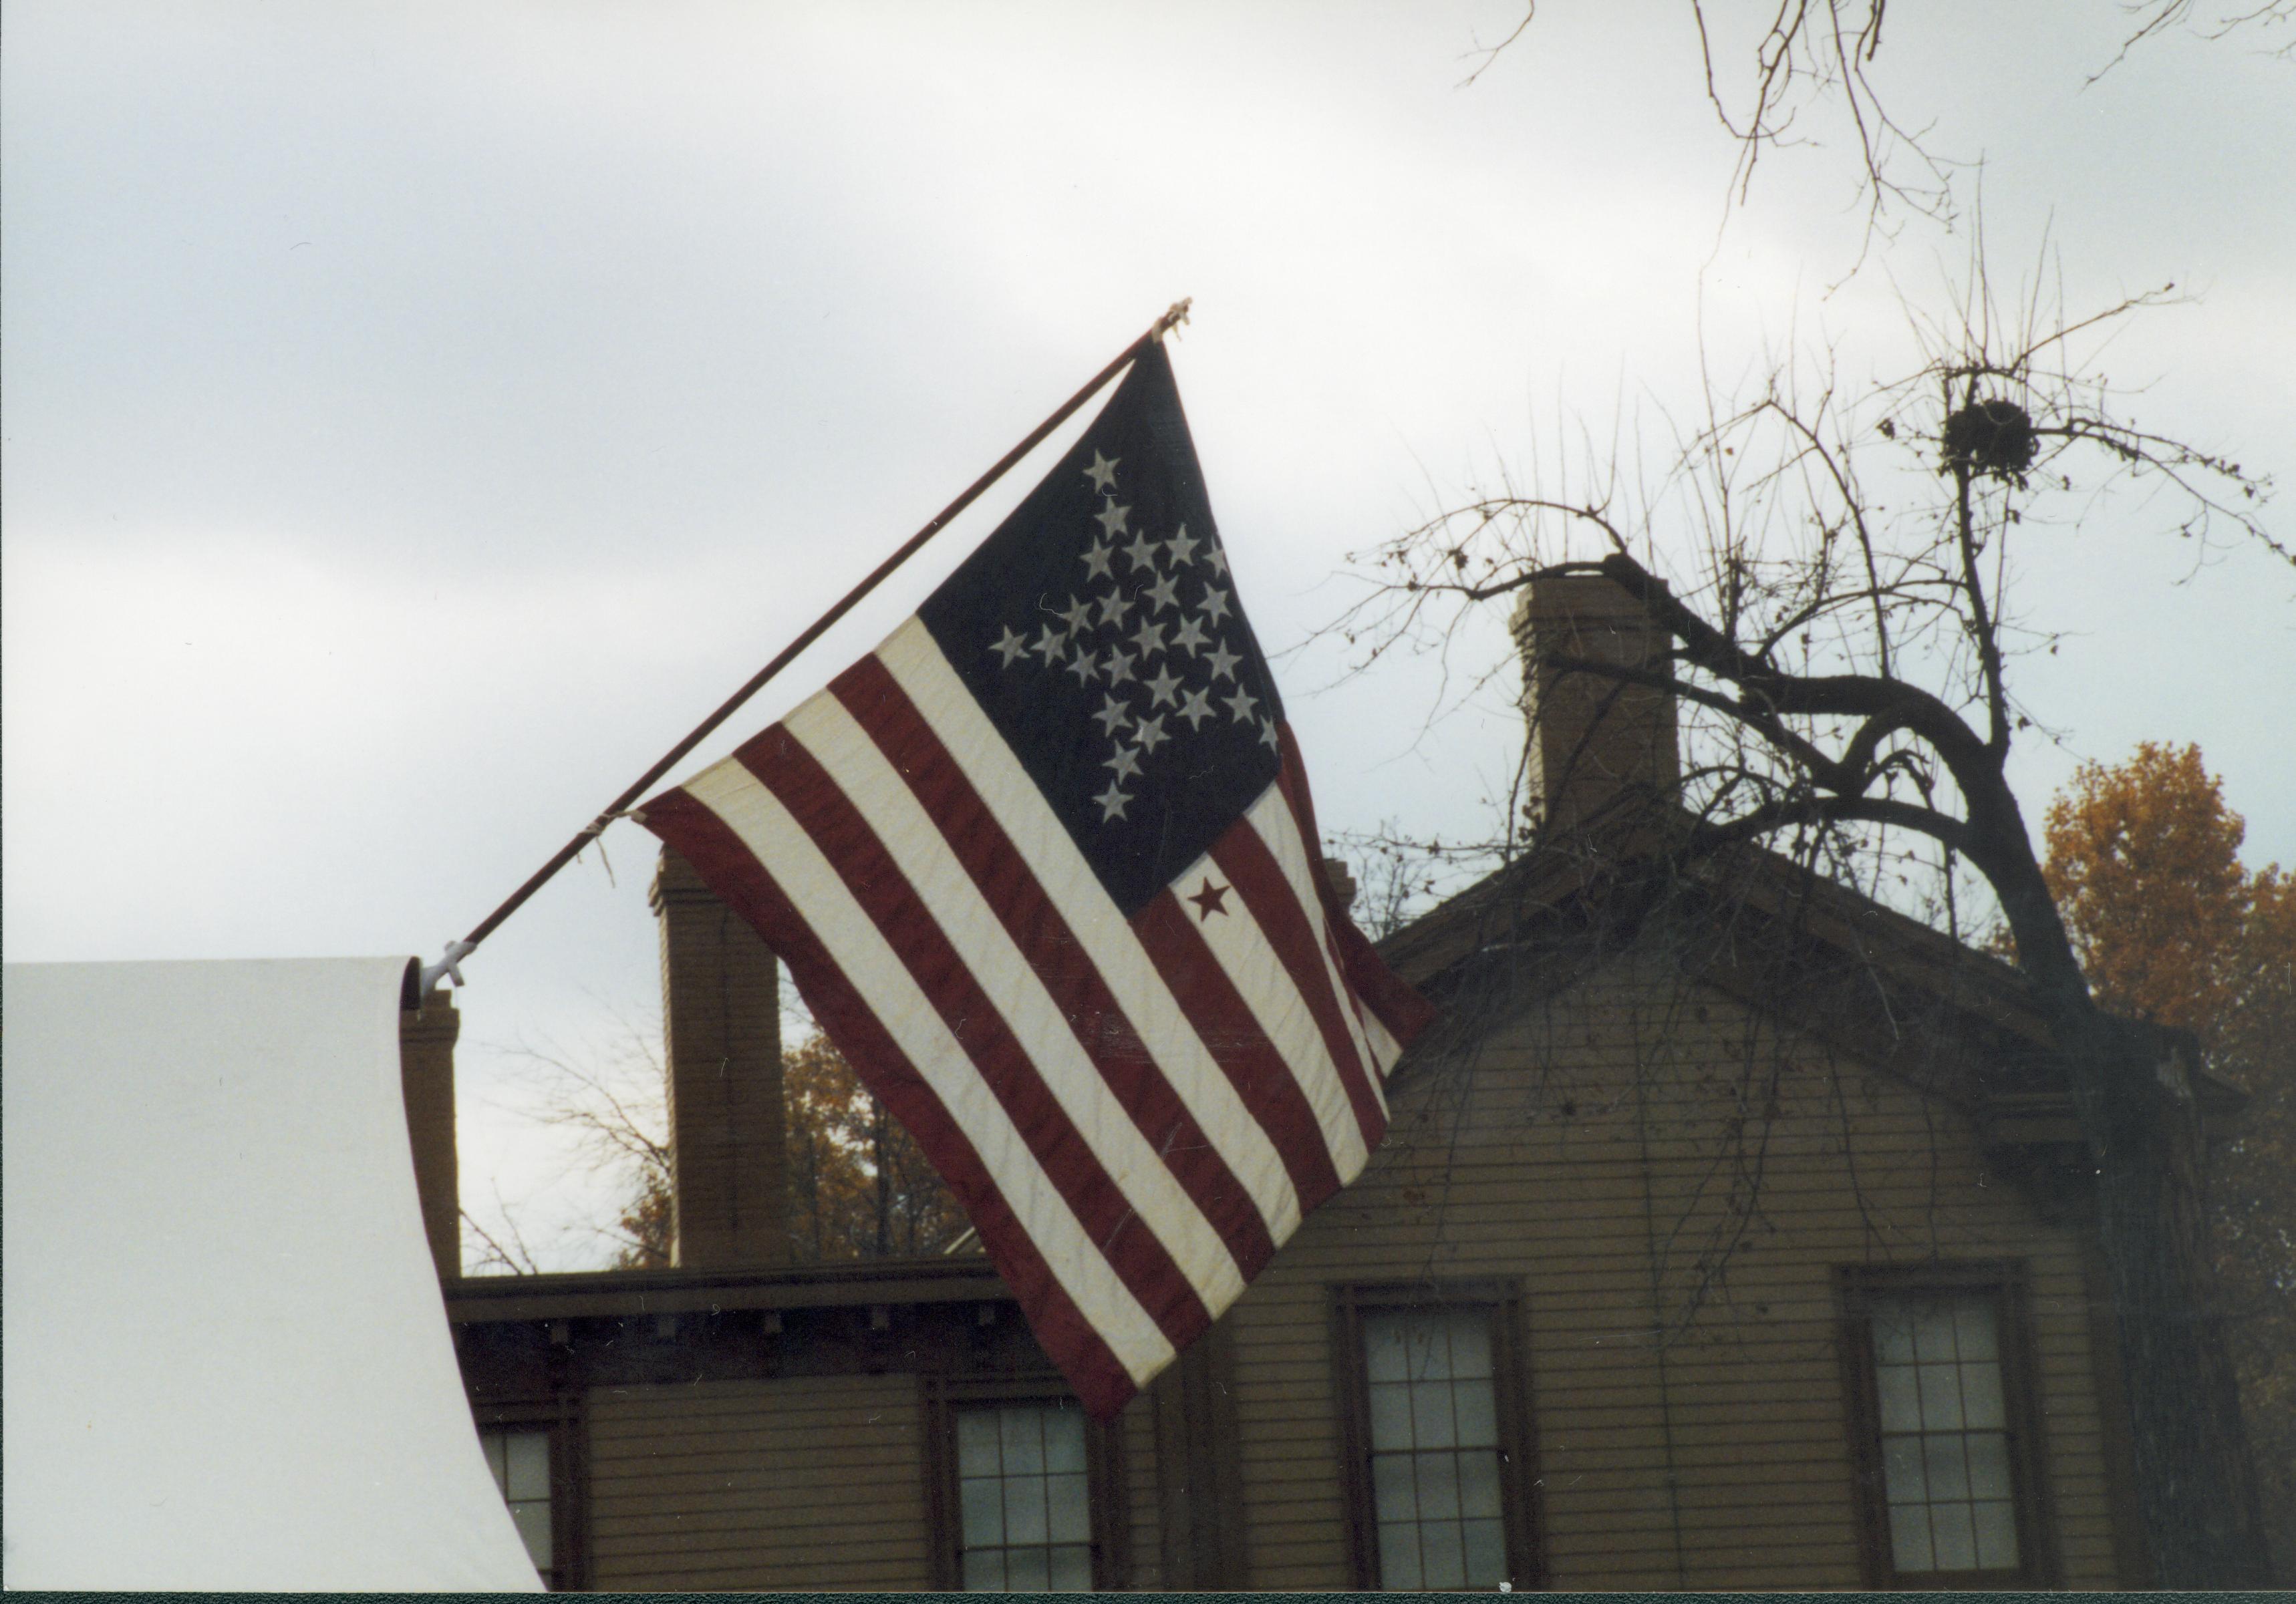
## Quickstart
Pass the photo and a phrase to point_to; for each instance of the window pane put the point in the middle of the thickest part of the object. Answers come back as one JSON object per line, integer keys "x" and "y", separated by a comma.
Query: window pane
{"x": 1900, "y": 1396}
{"x": 1996, "y": 1535}
{"x": 1901, "y": 1470}
{"x": 1438, "y": 1509}
{"x": 1439, "y": 1488}
{"x": 533, "y": 1523}
{"x": 1438, "y": 1365}
{"x": 1486, "y": 1544}
{"x": 1909, "y": 1537}
{"x": 976, "y": 1443}
{"x": 1933, "y": 1333}
{"x": 1442, "y": 1558}
{"x": 983, "y": 1500}
{"x": 1972, "y": 1324}
{"x": 1026, "y": 1570}
{"x": 1394, "y": 1488}
{"x": 1893, "y": 1334}
{"x": 1070, "y": 1511}
{"x": 1398, "y": 1555}
{"x": 1478, "y": 1413}
{"x": 1026, "y": 1519}
{"x": 1071, "y": 1569}
{"x": 526, "y": 1456}
{"x": 1948, "y": 1471}
{"x": 1981, "y": 1395}
{"x": 1989, "y": 1465}
{"x": 1063, "y": 1441}
{"x": 1022, "y": 1435}
{"x": 493, "y": 1442}
{"x": 1471, "y": 1344}
{"x": 1024, "y": 1508}
{"x": 1431, "y": 1415}
{"x": 1950, "y": 1532}
{"x": 1945, "y": 1453}
{"x": 1478, "y": 1486}
{"x": 1390, "y": 1414}
{"x": 1384, "y": 1358}
{"x": 1940, "y": 1397}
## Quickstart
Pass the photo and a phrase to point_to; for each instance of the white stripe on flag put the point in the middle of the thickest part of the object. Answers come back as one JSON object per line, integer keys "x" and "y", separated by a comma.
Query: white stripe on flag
{"x": 884, "y": 984}
{"x": 1383, "y": 1043}
{"x": 853, "y": 761}
{"x": 914, "y": 660}
{"x": 1264, "y": 981}
{"x": 1279, "y": 828}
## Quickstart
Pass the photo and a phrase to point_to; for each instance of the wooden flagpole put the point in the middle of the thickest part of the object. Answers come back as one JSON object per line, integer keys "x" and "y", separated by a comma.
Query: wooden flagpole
{"x": 456, "y": 951}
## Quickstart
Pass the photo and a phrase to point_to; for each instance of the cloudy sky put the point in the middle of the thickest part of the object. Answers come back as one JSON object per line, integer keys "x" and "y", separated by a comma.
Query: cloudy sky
{"x": 416, "y": 416}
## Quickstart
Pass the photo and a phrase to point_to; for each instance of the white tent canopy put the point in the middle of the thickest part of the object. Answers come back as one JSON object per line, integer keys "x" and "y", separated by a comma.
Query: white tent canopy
{"x": 227, "y": 1364}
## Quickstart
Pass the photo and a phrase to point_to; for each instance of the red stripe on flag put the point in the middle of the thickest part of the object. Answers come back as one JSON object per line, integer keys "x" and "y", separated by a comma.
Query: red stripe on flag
{"x": 1101, "y": 1381}
{"x": 978, "y": 841}
{"x": 1402, "y": 1010}
{"x": 877, "y": 884}
{"x": 1274, "y": 906}
{"x": 1239, "y": 1046}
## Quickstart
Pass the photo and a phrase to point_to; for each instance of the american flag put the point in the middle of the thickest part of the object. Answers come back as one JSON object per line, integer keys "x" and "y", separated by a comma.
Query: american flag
{"x": 1044, "y": 868}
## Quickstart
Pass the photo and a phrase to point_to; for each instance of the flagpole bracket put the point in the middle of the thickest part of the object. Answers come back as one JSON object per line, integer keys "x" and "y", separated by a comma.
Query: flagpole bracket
{"x": 449, "y": 966}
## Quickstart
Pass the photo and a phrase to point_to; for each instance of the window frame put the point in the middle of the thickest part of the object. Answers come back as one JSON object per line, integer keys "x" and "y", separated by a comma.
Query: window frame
{"x": 569, "y": 1550}
{"x": 1522, "y": 1518}
{"x": 1856, "y": 1288}
{"x": 945, "y": 1397}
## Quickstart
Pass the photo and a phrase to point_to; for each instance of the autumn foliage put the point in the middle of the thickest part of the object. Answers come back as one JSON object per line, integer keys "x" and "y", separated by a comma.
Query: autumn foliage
{"x": 2144, "y": 861}
{"x": 859, "y": 1186}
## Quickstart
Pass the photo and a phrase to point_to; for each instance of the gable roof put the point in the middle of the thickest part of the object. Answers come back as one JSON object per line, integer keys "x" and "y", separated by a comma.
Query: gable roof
{"x": 1904, "y": 997}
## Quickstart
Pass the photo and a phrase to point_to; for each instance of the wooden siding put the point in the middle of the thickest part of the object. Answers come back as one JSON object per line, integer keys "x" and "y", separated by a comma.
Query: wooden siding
{"x": 1684, "y": 1387}
{"x": 814, "y": 1483}
{"x": 1601, "y": 1155}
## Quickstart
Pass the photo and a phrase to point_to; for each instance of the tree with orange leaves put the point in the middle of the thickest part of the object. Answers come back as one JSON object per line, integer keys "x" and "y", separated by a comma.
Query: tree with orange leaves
{"x": 859, "y": 1186}
{"x": 2143, "y": 860}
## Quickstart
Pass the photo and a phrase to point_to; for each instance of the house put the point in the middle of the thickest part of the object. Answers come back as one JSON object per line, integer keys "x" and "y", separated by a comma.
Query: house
{"x": 1731, "y": 1234}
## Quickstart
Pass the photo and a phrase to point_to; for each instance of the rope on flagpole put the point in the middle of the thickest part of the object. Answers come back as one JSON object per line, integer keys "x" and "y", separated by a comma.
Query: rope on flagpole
{"x": 449, "y": 965}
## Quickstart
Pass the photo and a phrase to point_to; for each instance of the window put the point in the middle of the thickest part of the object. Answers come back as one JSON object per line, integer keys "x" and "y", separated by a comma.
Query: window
{"x": 1947, "y": 1444}
{"x": 519, "y": 1458}
{"x": 1438, "y": 1453}
{"x": 1025, "y": 1498}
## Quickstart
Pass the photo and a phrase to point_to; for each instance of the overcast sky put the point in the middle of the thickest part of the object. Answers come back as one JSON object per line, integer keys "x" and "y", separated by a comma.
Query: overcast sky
{"x": 416, "y": 416}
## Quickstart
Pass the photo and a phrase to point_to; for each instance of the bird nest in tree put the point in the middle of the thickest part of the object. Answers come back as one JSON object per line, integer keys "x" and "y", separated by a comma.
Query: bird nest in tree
{"x": 1994, "y": 437}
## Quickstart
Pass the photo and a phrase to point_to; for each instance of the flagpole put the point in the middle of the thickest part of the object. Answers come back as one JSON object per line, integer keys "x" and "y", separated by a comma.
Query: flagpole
{"x": 456, "y": 951}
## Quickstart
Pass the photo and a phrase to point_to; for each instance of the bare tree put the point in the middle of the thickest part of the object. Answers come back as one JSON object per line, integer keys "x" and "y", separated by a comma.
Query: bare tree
{"x": 609, "y": 1100}
{"x": 1398, "y": 876}
{"x": 1828, "y": 572}
{"x": 858, "y": 1187}
{"x": 1802, "y": 72}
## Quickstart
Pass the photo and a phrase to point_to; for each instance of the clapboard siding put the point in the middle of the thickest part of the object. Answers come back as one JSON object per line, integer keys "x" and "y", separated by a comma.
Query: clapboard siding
{"x": 813, "y": 1484}
{"x": 1715, "y": 1455}
{"x": 1684, "y": 1386}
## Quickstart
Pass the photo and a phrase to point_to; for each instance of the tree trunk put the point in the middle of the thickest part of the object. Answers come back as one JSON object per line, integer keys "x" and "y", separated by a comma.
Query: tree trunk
{"x": 2132, "y": 1087}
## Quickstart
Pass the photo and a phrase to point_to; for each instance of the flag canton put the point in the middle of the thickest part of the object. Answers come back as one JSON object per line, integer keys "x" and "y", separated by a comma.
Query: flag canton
{"x": 1099, "y": 630}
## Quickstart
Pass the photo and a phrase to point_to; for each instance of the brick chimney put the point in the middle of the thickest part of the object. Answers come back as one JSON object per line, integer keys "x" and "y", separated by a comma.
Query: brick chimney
{"x": 721, "y": 1022}
{"x": 426, "y": 1079}
{"x": 1597, "y": 745}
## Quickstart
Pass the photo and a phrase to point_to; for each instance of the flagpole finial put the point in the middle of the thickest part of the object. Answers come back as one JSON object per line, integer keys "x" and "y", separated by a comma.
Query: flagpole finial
{"x": 449, "y": 966}
{"x": 1174, "y": 316}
